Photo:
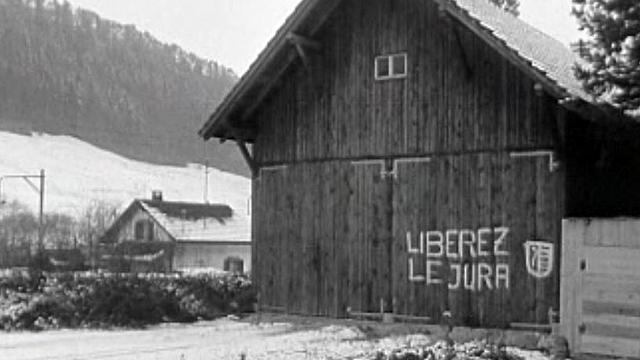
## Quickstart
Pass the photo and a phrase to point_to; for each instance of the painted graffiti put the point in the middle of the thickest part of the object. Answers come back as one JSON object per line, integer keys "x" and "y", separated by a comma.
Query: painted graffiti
{"x": 442, "y": 257}
{"x": 539, "y": 255}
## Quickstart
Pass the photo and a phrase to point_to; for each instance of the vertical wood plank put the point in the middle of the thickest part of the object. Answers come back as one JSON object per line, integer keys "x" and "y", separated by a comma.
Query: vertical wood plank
{"x": 571, "y": 281}
{"x": 339, "y": 113}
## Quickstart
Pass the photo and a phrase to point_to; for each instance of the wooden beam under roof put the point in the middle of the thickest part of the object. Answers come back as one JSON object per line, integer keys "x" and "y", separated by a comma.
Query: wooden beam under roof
{"x": 268, "y": 86}
{"x": 303, "y": 41}
{"x": 236, "y": 133}
{"x": 466, "y": 62}
{"x": 307, "y": 18}
{"x": 303, "y": 55}
{"x": 248, "y": 158}
{"x": 291, "y": 37}
{"x": 294, "y": 38}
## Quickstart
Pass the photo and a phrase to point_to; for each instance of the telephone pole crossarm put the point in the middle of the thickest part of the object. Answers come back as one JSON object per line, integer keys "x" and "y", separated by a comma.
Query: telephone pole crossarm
{"x": 38, "y": 189}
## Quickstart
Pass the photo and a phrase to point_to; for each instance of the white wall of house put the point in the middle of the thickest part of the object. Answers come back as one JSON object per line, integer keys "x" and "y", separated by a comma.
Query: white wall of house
{"x": 209, "y": 255}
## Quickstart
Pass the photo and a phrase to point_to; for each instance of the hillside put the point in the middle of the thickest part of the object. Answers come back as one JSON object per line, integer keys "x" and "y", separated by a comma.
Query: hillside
{"x": 79, "y": 175}
{"x": 74, "y": 73}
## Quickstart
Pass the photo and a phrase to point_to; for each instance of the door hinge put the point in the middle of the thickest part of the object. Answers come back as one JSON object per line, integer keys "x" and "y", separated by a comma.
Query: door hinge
{"x": 374, "y": 162}
{"x": 395, "y": 171}
{"x": 554, "y": 163}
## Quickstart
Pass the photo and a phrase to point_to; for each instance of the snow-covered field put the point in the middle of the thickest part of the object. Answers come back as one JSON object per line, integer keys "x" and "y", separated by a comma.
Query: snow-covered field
{"x": 221, "y": 340}
{"x": 78, "y": 174}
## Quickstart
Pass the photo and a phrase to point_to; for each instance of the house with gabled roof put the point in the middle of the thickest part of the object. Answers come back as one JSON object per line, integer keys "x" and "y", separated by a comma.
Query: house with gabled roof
{"x": 417, "y": 158}
{"x": 158, "y": 235}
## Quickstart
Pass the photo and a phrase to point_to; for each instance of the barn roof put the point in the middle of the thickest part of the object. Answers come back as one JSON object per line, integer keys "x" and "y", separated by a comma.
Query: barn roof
{"x": 544, "y": 58}
{"x": 193, "y": 222}
{"x": 543, "y": 53}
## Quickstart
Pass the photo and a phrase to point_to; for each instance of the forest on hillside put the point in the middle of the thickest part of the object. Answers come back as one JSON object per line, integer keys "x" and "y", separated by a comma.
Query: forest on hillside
{"x": 68, "y": 71}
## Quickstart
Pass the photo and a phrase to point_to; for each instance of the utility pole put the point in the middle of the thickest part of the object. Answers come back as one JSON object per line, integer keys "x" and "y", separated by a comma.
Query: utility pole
{"x": 41, "y": 215}
{"x": 206, "y": 182}
{"x": 37, "y": 189}
{"x": 205, "y": 194}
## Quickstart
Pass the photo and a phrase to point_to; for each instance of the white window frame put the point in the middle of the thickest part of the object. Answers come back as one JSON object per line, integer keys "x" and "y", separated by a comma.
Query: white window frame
{"x": 390, "y": 58}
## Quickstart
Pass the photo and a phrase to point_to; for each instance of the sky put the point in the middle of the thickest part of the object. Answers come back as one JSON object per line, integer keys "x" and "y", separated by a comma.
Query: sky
{"x": 233, "y": 32}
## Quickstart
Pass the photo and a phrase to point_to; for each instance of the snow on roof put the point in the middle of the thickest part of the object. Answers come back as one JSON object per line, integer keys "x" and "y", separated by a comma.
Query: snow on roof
{"x": 191, "y": 211}
{"x": 199, "y": 222}
{"x": 544, "y": 52}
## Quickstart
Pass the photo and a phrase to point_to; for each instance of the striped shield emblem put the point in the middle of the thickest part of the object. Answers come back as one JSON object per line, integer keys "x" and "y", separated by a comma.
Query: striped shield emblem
{"x": 539, "y": 255}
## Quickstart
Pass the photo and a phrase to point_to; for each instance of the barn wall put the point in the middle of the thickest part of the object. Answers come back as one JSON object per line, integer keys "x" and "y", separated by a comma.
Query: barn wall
{"x": 333, "y": 233}
{"x": 336, "y": 235}
{"x": 203, "y": 255}
{"x": 335, "y": 109}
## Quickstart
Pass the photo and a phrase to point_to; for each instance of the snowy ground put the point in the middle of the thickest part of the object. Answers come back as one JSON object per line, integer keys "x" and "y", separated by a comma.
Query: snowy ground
{"x": 78, "y": 174}
{"x": 222, "y": 339}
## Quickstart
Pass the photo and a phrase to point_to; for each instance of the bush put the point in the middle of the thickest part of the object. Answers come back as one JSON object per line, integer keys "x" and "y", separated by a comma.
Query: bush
{"x": 477, "y": 350}
{"x": 68, "y": 301}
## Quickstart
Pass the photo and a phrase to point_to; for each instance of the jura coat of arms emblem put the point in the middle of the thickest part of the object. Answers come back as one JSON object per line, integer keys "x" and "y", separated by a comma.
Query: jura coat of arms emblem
{"x": 539, "y": 255}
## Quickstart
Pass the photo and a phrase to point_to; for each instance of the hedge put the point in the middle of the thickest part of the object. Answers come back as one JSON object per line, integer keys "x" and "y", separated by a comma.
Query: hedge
{"x": 105, "y": 301}
{"x": 443, "y": 350}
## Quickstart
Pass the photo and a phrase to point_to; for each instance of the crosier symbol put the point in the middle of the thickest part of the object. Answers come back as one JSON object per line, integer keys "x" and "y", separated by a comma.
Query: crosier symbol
{"x": 539, "y": 255}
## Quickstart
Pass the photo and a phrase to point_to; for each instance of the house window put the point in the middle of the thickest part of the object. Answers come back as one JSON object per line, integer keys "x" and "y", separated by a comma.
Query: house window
{"x": 139, "y": 230}
{"x": 150, "y": 231}
{"x": 143, "y": 230}
{"x": 234, "y": 265}
{"x": 391, "y": 66}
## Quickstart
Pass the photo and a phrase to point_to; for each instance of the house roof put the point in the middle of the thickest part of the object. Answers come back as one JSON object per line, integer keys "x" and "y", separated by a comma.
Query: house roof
{"x": 193, "y": 222}
{"x": 544, "y": 58}
{"x": 191, "y": 211}
{"x": 189, "y": 222}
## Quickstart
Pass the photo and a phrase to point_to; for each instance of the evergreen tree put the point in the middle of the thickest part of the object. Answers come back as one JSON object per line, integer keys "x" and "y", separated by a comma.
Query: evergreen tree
{"x": 510, "y": 6}
{"x": 612, "y": 50}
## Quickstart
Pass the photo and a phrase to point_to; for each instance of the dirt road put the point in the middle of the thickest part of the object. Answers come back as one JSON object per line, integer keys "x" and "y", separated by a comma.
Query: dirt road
{"x": 224, "y": 339}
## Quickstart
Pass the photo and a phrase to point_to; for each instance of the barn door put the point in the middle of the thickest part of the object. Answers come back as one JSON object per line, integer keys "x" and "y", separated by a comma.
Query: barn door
{"x": 270, "y": 236}
{"x": 369, "y": 238}
{"x": 463, "y": 226}
{"x": 531, "y": 204}
{"x": 414, "y": 198}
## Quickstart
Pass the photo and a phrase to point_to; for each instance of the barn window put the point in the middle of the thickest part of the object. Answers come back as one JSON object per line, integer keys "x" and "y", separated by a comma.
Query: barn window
{"x": 391, "y": 66}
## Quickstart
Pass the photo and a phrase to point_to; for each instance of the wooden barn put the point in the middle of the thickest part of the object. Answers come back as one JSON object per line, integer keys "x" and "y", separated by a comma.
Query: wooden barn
{"x": 418, "y": 157}
{"x": 163, "y": 236}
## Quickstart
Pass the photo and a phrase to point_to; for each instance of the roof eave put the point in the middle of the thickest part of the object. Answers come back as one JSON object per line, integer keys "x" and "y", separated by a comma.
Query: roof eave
{"x": 219, "y": 118}
{"x": 218, "y": 124}
{"x": 590, "y": 110}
